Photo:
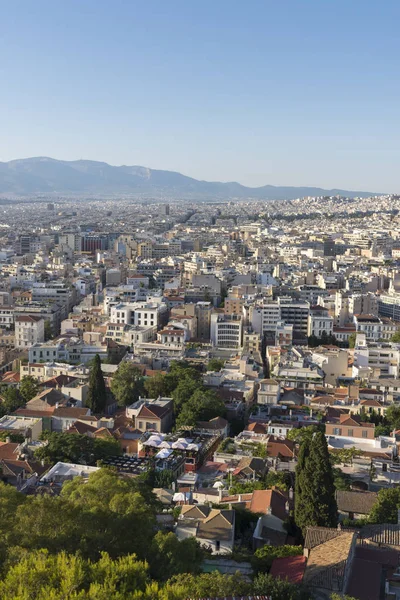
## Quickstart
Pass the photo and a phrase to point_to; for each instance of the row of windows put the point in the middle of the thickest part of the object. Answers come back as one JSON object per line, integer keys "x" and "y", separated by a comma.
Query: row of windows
{"x": 350, "y": 432}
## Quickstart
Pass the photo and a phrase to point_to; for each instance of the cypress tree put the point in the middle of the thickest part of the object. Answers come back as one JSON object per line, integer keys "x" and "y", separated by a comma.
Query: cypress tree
{"x": 319, "y": 465}
{"x": 299, "y": 483}
{"x": 97, "y": 395}
{"x": 315, "y": 502}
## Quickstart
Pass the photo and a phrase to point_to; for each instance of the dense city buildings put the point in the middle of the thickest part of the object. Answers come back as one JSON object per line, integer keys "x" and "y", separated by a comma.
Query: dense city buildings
{"x": 216, "y": 349}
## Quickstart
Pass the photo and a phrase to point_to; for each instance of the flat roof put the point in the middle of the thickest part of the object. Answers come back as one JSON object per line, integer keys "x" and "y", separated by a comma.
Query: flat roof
{"x": 17, "y": 421}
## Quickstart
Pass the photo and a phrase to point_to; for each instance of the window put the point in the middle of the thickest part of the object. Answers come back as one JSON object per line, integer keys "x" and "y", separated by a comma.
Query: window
{"x": 217, "y": 545}
{"x": 140, "y": 424}
{"x": 365, "y": 434}
{"x": 337, "y": 431}
{"x": 350, "y": 432}
{"x": 384, "y": 467}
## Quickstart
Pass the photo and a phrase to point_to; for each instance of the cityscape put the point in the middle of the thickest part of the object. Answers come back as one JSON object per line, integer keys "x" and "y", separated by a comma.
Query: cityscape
{"x": 199, "y": 357}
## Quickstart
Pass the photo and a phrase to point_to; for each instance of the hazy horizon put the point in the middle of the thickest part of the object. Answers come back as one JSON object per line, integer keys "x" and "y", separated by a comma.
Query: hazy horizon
{"x": 290, "y": 94}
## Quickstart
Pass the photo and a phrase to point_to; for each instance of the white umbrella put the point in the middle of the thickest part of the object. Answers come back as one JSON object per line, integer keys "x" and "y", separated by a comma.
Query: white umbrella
{"x": 164, "y": 453}
{"x": 218, "y": 484}
{"x": 180, "y": 445}
{"x": 165, "y": 444}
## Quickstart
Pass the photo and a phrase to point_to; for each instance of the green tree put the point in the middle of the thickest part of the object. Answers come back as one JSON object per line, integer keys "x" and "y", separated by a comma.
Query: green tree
{"x": 299, "y": 434}
{"x": 279, "y": 479}
{"x": 116, "y": 516}
{"x": 201, "y": 406}
{"x": 127, "y": 384}
{"x": 183, "y": 392}
{"x": 301, "y": 512}
{"x": 341, "y": 480}
{"x": 41, "y": 576}
{"x": 169, "y": 556}
{"x": 211, "y": 585}
{"x": 29, "y": 387}
{"x": 315, "y": 497}
{"x": 76, "y": 448}
{"x": 396, "y": 337}
{"x": 97, "y": 395}
{"x": 386, "y": 506}
{"x": 48, "y": 331}
{"x": 382, "y": 430}
{"x": 267, "y": 585}
{"x": 15, "y": 437}
{"x": 352, "y": 340}
{"x": 164, "y": 478}
{"x": 392, "y": 417}
{"x": 264, "y": 556}
{"x": 158, "y": 386}
{"x": 344, "y": 456}
{"x": 215, "y": 364}
{"x": 12, "y": 400}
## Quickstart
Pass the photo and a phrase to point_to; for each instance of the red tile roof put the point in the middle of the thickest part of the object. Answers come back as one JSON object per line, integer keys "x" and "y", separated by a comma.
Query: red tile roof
{"x": 291, "y": 568}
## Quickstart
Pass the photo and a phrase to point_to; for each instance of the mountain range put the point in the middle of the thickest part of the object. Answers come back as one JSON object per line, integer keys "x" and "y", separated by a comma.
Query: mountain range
{"x": 42, "y": 175}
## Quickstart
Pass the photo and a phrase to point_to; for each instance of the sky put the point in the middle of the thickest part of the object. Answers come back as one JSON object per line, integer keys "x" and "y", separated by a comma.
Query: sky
{"x": 281, "y": 92}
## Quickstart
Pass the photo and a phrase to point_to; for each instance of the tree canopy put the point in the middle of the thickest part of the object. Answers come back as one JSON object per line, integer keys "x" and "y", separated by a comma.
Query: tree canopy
{"x": 97, "y": 394}
{"x": 76, "y": 448}
{"x": 315, "y": 502}
{"x": 127, "y": 384}
{"x": 200, "y": 406}
{"x": 215, "y": 364}
{"x": 28, "y": 388}
{"x": 385, "y": 508}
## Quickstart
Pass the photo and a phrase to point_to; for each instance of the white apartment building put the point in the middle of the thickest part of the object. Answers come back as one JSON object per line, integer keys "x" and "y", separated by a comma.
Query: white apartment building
{"x": 141, "y": 314}
{"x": 264, "y": 317}
{"x": 6, "y": 317}
{"x": 319, "y": 322}
{"x": 375, "y": 328}
{"x": 129, "y": 335}
{"x": 226, "y": 331}
{"x": 29, "y": 330}
{"x": 383, "y": 359}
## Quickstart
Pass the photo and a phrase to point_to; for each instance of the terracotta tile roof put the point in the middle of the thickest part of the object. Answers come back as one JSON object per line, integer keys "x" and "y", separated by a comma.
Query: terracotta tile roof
{"x": 59, "y": 381}
{"x": 284, "y": 448}
{"x": 291, "y": 568}
{"x": 257, "y": 428}
{"x": 154, "y": 410}
{"x": 70, "y": 412}
{"x": 50, "y": 397}
{"x": 11, "y": 377}
{"x": 28, "y": 319}
{"x": 319, "y": 535}
{"x": 371, "y": 402}
{"x": 41, "y": 414}
{"x": 327, "y": 562}
{"x": 103, "y": 432}
{"x": 264, "y": 501}
{"x": 8, "y": 450}
{"x": 81, "y": 428}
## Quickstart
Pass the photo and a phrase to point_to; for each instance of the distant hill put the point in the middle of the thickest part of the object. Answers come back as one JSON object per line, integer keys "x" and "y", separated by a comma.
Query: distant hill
{"x": 79, "y": 177}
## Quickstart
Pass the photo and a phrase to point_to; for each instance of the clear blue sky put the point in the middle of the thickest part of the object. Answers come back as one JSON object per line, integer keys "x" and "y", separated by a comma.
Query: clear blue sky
{"x": 291, "y": 92}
